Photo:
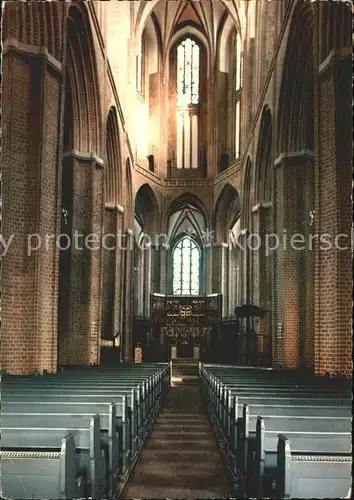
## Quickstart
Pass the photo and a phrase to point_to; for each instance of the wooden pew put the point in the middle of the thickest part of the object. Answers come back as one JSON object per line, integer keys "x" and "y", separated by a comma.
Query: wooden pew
{"x": 144, "y": 411}
{"x": 218, "y": 395}
{"x": 74, "y": 396}
{"x": 54, "y": 407}
{"x": 141, "y": 413}
{"x": 319, "y": 439}
{"x": 28, "y": 473}
{"x": 90, "y": 454}
{"x": 308, "y": 474}
{"x": 297, "y": 419}
{"x": 224, "y": 400}
{"x": 109, "y": 432}
{"x": 140, "y": 387}
{"x": 226, "y": 422}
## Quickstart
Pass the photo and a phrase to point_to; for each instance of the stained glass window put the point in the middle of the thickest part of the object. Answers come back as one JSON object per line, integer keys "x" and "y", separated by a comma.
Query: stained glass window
{"x": 187, "y": 73}
{"x": 186, "y": 265}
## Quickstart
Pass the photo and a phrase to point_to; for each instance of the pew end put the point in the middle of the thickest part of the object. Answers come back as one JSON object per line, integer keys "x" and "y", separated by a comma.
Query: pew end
{"x": 311, "y": 475}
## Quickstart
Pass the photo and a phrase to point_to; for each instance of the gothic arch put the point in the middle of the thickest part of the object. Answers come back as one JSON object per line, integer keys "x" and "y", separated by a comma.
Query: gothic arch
{"x": 236, "y": 12}
{"x": 113, "y": 170}
{"x": 225, "y": 33}
{"x": 146, "y": 207}
{"x": 263, "y": 167}
{"x": 128, "y": 198}
{"x": 227, "y": 210}
{"x": 83, "y": 81}
{"x": 246, "y": 198}
{"x": 183, "y": 200}
{"x": 193, "y": 32}
{"x": 336, "y": 27}
{"x": 295, "y": 128}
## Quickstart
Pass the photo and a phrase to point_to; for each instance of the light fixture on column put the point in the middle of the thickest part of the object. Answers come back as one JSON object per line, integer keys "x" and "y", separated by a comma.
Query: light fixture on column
{"x": 311, "y": 219}
{"x": 65, "y": 215}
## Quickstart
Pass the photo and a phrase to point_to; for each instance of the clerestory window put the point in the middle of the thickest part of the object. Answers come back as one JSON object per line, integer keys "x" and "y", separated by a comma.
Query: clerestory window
{"x": 188, "y": 58}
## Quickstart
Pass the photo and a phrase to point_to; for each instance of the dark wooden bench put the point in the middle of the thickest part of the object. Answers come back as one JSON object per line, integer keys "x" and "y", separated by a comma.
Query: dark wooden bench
{"x": 108, "y": 428}
{"x": 90, "y": 385}
{"x": 149, "y": 382}
{"x": 243, "y": 433}
{"x": 297, "y": 417}
{"x": 136, "y": 392}
{"x": 261, "y": 477}
{"x": 145, "y": 391}
{"x": 225, "y": 396}
{"x": 34, "y": 473}
{"x": 62, "y": 395}
{"x": 307, "y": 474}
{"x": 143, "y": 411}
{"x": 219, "y": 394}
{"x": 90, "y": 464}
{"x": 120, "y": 411}
{"x": 225, "y": 417}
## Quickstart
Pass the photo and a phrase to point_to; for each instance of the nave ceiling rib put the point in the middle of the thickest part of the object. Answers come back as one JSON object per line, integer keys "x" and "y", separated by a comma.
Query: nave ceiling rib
{"x": 206, "y": 16}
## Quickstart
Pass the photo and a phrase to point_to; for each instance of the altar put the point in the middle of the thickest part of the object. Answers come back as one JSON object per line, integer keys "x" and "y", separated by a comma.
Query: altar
{"x": 185, "y": 323}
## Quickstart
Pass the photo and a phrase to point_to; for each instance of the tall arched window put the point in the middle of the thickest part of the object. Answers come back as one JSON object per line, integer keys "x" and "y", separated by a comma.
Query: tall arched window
{"x": 186, "y": 267}
{"x": 238, "y": 88}
{"x": 187, "y": 103}
{"x": 188, "y": 73}
{"x": 140, "y": 65}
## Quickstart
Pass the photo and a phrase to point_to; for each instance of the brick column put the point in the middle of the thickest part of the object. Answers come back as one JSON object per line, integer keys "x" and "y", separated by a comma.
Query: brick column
{"x": 31, "y": 115}
{"x": 147, "y": 280}
{"x": 118, "y": 303}
{"x": 245, "y": 270}
{"x": 208, "y": 266}
{"x": 292, "y": 185}
{"x": 155, "y": 269}
{"x": 256, "y": 258}
{"x": 278, "y": 302}
{"x": 128, "y": 297}
{"x": 218, "y": 268}
{"x": 80, "y": 343}
{"x": 333, "y": 215}
{"x": 163, "y": 251}
{"x": 262, "y": 270}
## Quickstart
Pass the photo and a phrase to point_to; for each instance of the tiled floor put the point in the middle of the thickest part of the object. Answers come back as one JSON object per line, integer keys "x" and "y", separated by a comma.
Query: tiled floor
{"x": 181, "y": 459}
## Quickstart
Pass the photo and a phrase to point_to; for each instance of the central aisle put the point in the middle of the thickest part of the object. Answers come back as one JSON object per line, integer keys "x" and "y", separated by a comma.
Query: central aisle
{"x": 181, "y": 459}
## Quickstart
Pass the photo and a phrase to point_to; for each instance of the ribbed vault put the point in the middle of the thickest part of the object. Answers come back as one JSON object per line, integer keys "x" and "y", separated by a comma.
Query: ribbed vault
{"x": 207, "y": 17}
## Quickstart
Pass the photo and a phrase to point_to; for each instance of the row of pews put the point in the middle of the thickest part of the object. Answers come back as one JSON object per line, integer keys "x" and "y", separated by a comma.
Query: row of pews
{"x": 77, "y": 434}
{"x": 282, "y": 436}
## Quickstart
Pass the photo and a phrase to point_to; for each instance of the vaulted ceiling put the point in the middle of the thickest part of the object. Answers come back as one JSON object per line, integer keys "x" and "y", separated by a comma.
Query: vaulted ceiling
{"x": 207, "y": 17}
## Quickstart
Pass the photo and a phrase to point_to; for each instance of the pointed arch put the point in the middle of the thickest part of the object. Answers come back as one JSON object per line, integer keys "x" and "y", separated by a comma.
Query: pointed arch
{"x": 82, "y": 78}
{"x": 186, "y": 261}
{"x": 227, "y": 210}
{"x": 263, "y": 167}
{"x": 128, "y": 196}
{"x": 295, "y": 129}
{"x": 187, "y": 200}
{"x": 113, "y": 171}
{"x": 146, "y": 207}
{"x": 246, "y": 194}
{"x": 336, "y": 27}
